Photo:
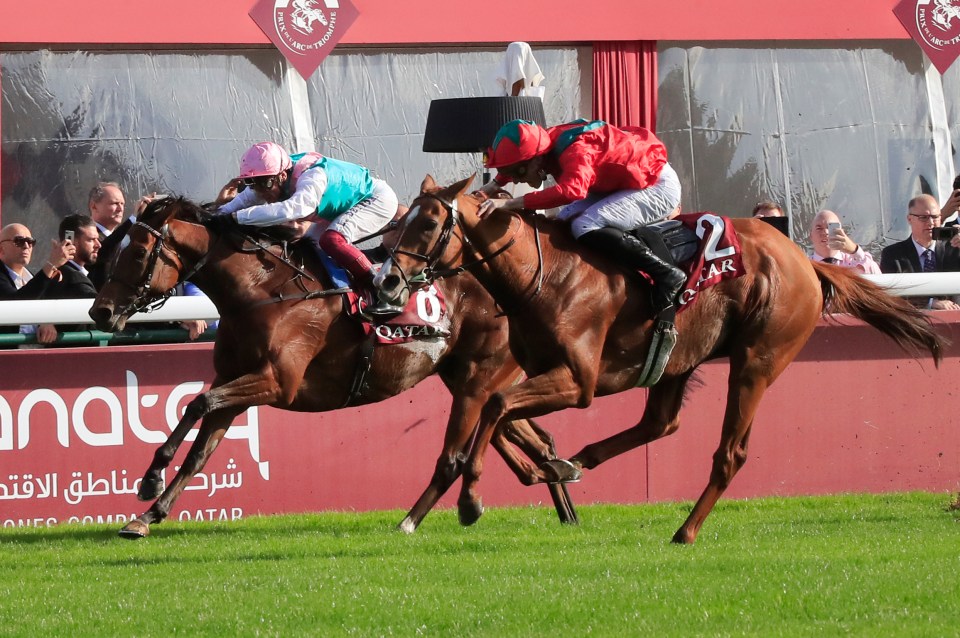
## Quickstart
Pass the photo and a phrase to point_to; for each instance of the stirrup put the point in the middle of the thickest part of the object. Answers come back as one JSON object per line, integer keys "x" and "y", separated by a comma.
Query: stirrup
{"x": 374, "y": 308}
{"x": 381, "y": 311}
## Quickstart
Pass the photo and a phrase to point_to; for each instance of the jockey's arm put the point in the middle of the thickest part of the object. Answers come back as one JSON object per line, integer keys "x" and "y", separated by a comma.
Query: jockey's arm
{"x": 302, "y": 203}
{"x": 491, "y": 205}
{"x": 243, "y": 199}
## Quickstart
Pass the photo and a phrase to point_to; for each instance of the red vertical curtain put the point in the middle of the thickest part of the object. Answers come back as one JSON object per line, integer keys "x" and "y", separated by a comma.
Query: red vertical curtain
{"x": 625, "y": 83}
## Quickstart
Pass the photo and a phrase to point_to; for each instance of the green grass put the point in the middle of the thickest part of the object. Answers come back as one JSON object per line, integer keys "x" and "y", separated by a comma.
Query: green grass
{"x": 852, "y": 565}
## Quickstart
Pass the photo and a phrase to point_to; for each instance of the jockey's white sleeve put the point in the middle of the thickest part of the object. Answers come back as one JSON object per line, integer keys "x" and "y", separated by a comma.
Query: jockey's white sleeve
{"x": 247, "y": 197}
{"x": 303, "y": 202}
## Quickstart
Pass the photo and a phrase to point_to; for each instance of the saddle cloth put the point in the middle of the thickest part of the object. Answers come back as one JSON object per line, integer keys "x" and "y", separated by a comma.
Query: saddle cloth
{"x": 425, "y": 317}
{"x": 705, "y": 246}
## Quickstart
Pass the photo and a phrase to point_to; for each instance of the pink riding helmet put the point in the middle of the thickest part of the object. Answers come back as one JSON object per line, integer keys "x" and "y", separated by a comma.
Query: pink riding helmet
{"x": 264, "y": 158}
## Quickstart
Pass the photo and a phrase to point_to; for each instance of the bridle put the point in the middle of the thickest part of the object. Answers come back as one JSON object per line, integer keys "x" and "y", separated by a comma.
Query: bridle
{"x": 430, "y": 272}
{"x": 145, "y": 298}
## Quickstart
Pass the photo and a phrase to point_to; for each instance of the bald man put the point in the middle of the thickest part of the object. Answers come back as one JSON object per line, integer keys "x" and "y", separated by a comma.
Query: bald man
{"x": 16, "y": 282}
{"x": 837, "y": 247}
{"x": 16, "y": 251}
{"x": 920, "y": 252}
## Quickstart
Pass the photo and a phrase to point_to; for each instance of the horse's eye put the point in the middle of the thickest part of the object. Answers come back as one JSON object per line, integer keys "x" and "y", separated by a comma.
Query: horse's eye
{"x": 430, "y": 225}
{"x": 139, "y": 252}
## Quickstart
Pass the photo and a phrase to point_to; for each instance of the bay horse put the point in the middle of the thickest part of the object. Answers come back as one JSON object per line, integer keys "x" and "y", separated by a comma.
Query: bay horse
{"x": 580, "y": 328}
{"x": 285, "y": 341}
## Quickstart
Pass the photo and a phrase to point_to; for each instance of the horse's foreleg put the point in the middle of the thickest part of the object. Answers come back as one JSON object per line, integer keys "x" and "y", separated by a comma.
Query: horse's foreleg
{"x": 151, "y": 486}
{"x": 218, "y": 406}
{"x": 463, "y": 413}
{"x": 543, "y": 394}
{"x": 211, "y": 432}
{"x": 219, "y": 396}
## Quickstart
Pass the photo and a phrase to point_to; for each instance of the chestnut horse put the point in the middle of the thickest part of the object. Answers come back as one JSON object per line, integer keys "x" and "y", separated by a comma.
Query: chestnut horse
{"x": 285, "y": 341}
{"x": 580, "y": 327}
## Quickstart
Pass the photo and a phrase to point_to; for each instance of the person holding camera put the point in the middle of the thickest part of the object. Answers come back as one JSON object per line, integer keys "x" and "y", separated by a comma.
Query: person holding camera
{"x": 951, "y": 208}
{"x": 928, "y": 249}
{"x": 832, "y": 245}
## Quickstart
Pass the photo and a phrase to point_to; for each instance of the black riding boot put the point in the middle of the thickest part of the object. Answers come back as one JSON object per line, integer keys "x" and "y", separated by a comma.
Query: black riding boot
{"x": 629, "y": 251}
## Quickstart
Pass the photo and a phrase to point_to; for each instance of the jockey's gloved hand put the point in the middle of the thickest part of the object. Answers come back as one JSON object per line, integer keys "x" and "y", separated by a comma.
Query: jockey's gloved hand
{"x": 222, "y": 223}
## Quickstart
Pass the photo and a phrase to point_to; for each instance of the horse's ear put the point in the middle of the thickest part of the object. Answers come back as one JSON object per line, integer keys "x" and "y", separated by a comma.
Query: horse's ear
{"x": 428, "y": 184}
{"x": 461, "y": 187}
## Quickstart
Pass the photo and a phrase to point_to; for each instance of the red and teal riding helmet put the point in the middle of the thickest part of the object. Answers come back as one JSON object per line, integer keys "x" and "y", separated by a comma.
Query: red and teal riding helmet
{"x": 517, "y": 141}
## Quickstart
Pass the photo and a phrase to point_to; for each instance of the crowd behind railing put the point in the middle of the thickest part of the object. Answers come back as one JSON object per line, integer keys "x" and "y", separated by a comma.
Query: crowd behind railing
{"x": 53, "y": 299}
{"x": 932, "y": 247}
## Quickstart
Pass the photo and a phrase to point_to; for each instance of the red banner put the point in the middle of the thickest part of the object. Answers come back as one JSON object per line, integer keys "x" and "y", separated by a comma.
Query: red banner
{"x": 78, "y": 427}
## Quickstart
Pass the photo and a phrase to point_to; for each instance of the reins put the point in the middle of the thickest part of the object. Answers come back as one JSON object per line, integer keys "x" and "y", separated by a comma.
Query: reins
{"x": 145, "y": 301}
{"x": 431, "y": 273}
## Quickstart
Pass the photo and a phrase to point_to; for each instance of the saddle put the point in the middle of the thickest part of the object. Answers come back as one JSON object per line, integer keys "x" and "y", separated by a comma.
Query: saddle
{"x": 670, "y": 240}
{"x": 707, "y": 248}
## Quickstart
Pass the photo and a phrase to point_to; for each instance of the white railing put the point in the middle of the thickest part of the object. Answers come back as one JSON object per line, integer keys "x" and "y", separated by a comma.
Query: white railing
{"x": 68, "y": 311}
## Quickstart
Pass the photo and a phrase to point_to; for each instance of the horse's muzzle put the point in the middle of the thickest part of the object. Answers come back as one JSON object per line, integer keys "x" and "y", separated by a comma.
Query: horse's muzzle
{"x": 105, "y": 318}
{"x": 391, "y": 288}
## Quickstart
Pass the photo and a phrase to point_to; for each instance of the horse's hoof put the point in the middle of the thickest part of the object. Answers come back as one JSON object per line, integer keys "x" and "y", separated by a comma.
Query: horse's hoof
{"x": 682, "y": 537}
{"x": 135, "y": 530}
{"x": 407, "y": 526}
{"x": 469, "y": 512}
{"x": 561, "y": 471}
{"x": 150, "y": 489}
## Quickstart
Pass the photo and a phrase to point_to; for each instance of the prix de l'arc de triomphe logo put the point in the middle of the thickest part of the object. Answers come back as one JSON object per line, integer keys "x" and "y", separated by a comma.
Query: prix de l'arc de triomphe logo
{"x": 935, "y": 25}
{"x": 305, "y": 31}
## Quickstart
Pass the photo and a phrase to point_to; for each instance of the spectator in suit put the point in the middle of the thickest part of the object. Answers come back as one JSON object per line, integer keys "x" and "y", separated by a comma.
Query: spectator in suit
{"x": 106, "y": 205}
{"x": 836, "y": 247}
{"x": 16, "y": 281}
{"x": 73, "y": 282}
{"x": 920, "y": 252}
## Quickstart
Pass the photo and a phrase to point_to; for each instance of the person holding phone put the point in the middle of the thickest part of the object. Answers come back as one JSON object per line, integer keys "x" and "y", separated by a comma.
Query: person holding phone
{"x": 922, "y": 251}
{"x": 16, "y": 281}
{"x": 832, "y": 245}
{"x": 951, "y": 208}
{"x": 79, "y": 231}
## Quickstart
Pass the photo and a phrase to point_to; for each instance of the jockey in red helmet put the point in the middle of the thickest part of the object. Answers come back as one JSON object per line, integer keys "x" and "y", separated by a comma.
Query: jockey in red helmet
{"x": 609, "y": 181}
{"x": 311, "y": 186}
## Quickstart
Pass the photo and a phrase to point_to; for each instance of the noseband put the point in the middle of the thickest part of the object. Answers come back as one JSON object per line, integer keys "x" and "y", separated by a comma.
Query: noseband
{"x": 429, "y": 274}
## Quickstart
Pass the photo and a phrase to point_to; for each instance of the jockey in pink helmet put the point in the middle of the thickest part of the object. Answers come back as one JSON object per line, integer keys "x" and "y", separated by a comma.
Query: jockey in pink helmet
{"x": 282, "y": 189}
{"x": 608, "y": 181}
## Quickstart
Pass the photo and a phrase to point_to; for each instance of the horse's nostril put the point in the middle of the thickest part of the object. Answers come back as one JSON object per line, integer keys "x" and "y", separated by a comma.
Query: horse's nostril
{"x": 390, "y": 282}
{"x": 101, "y": 315}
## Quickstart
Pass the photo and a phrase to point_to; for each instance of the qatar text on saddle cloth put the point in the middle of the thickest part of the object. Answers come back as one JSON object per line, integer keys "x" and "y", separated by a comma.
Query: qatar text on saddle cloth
{"x": 718, "y": 255}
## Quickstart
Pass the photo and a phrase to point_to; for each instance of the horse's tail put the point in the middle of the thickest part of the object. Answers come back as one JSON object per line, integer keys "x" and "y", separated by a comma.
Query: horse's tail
{"x": 845, "y": 291}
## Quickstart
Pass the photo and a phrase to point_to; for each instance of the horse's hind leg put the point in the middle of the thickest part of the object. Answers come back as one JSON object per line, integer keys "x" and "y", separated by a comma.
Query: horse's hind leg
{"x": 214, "y": 426}
{"x": 538, "y": 445}
{"x": 751, "y": 373}
{"x": 661, "y": 417}
{"x": 743, "y": 398}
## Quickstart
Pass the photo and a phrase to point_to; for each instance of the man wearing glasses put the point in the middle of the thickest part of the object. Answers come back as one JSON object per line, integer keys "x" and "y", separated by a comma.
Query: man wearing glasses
{"x": 921, "y": 252}
{"x": 281, "y": 189}
{"x": 16, "y": 282}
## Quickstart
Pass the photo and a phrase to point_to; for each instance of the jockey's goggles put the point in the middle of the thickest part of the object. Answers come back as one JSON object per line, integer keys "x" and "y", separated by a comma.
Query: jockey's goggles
{"x": 265, "y": 182}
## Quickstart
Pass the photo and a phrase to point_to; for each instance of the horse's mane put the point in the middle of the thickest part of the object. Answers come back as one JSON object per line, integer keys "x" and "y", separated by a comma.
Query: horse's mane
{"x": 156, "y": 211}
